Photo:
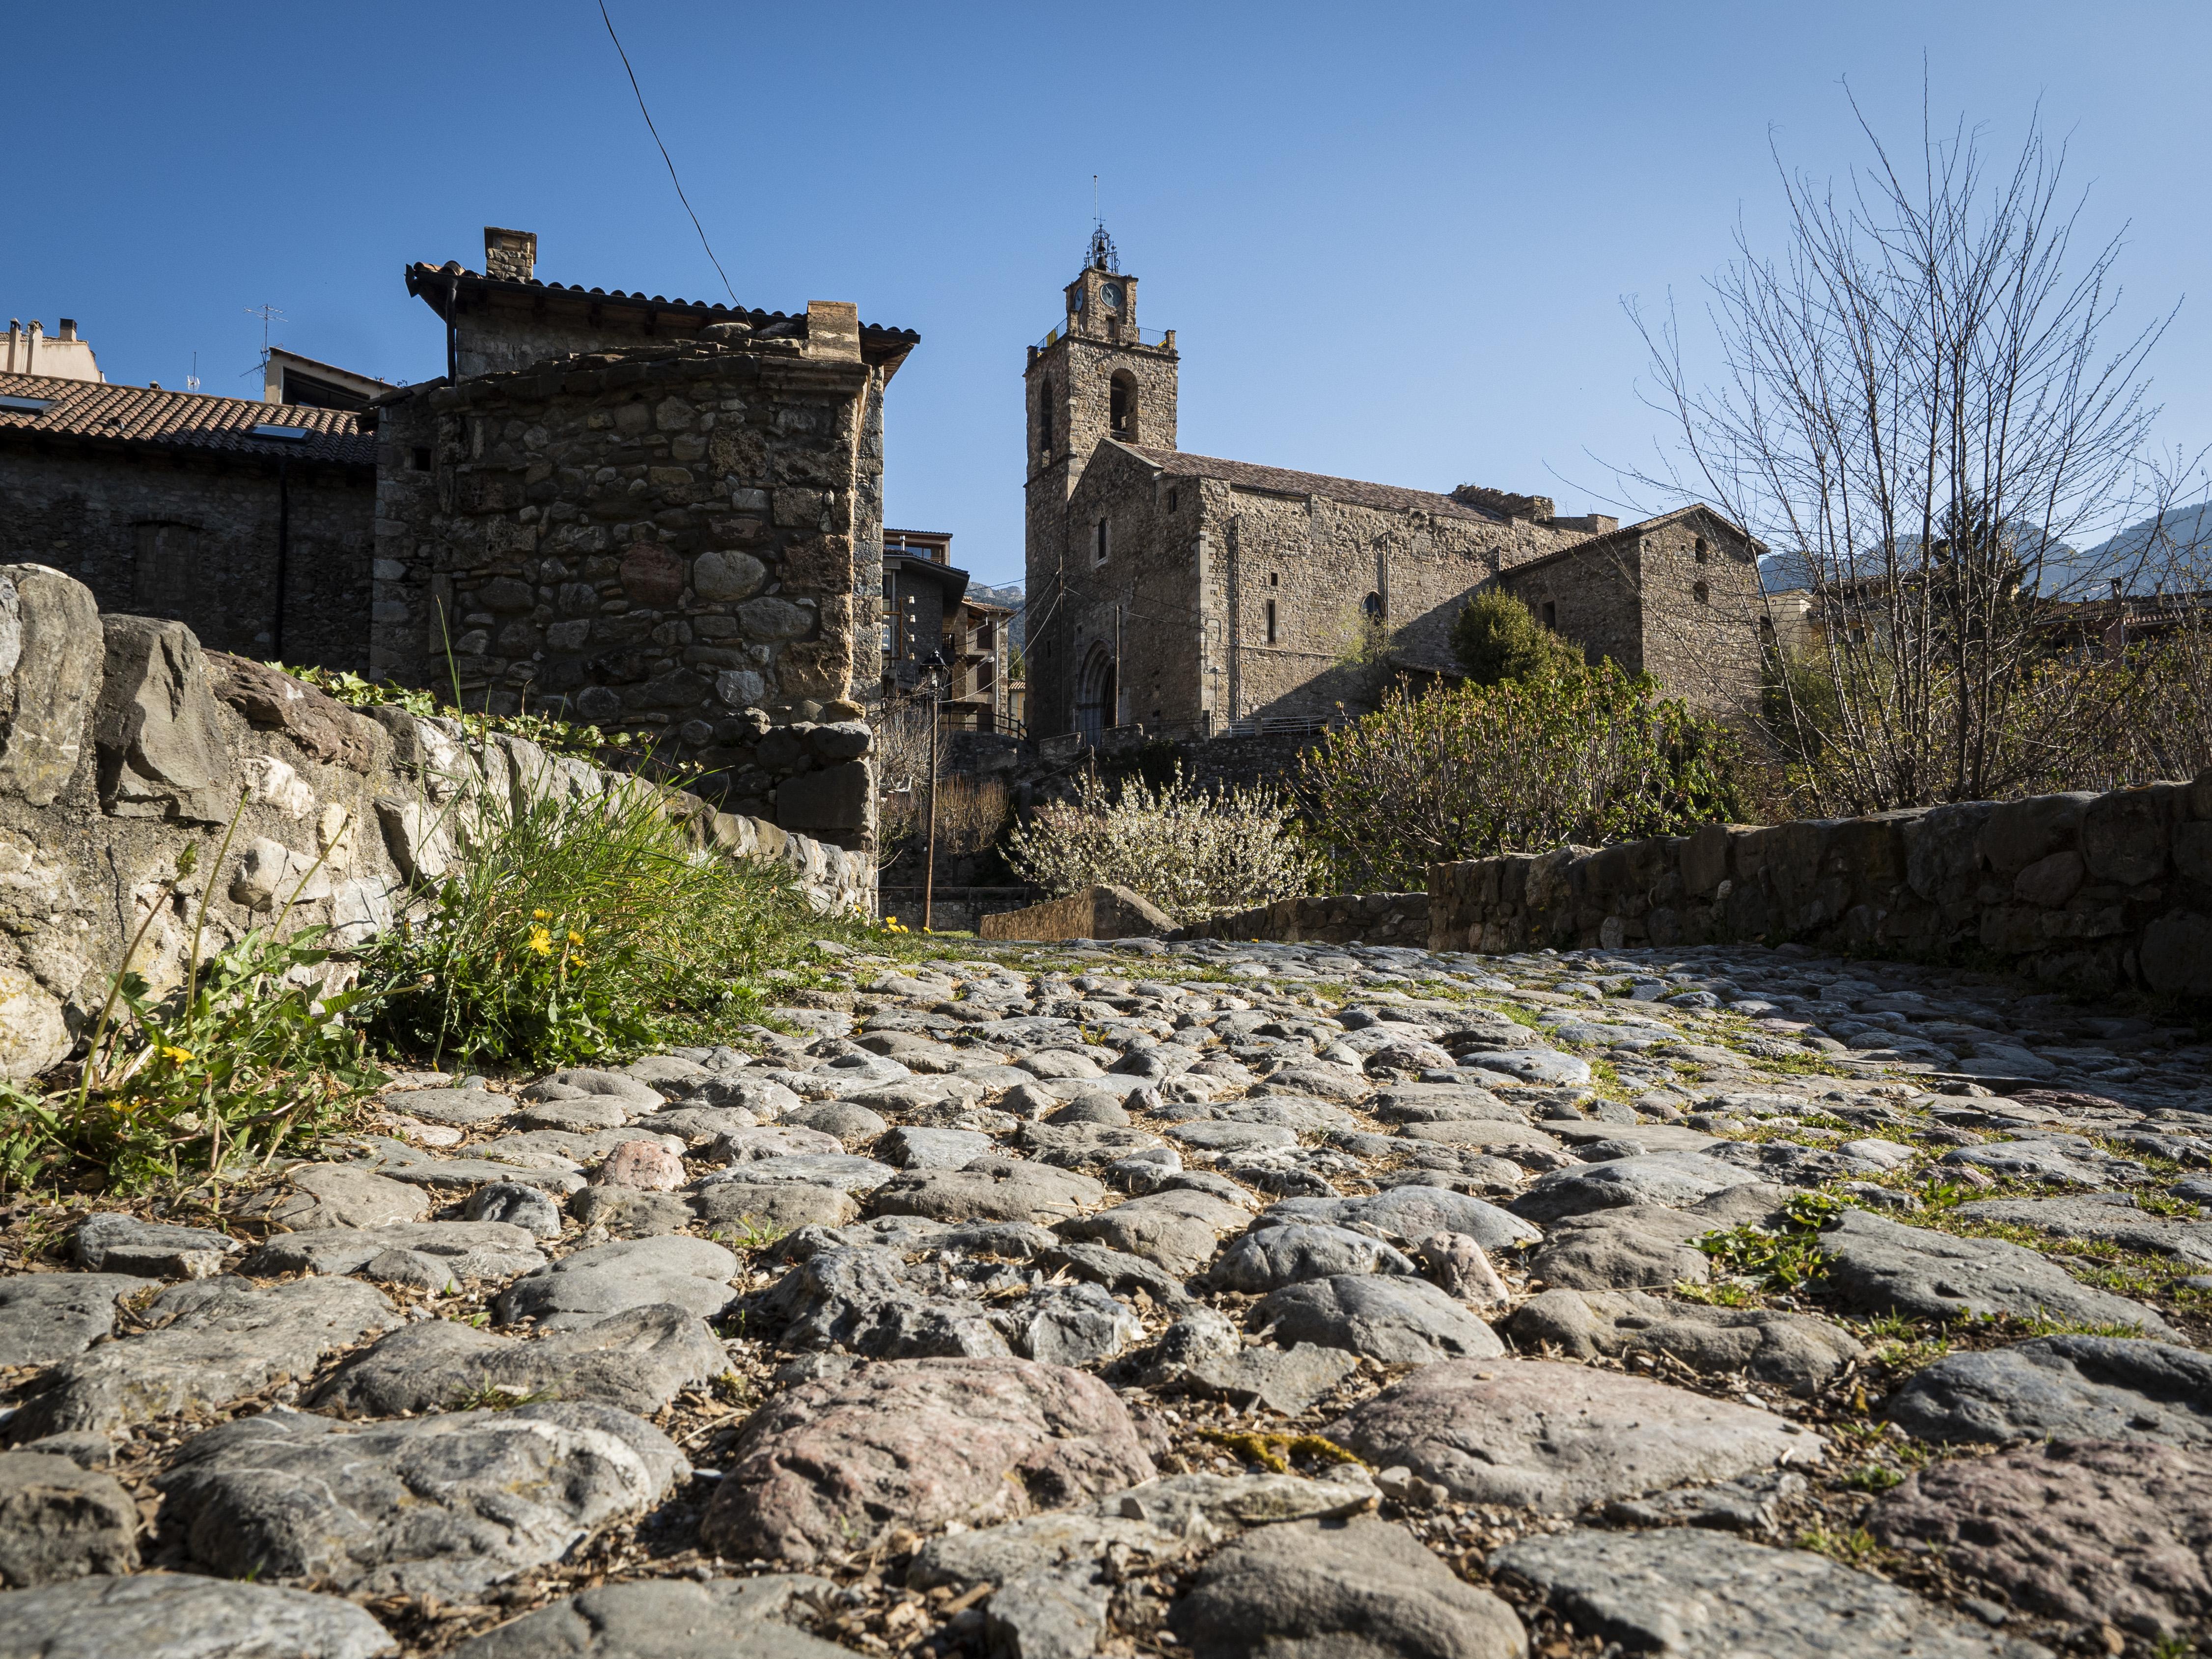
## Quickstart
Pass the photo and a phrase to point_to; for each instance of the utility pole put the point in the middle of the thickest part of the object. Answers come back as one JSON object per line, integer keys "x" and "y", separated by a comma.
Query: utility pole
{"x": 929, "y": 866}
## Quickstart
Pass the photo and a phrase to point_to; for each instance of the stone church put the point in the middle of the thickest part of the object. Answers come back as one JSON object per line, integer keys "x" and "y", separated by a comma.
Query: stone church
{"x": 1194, "y": 596}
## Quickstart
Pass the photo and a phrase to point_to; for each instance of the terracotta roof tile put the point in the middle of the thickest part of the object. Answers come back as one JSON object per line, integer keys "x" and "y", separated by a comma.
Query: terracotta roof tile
{"x": 180, "y": 420}
{"x": 1389, "y": 497}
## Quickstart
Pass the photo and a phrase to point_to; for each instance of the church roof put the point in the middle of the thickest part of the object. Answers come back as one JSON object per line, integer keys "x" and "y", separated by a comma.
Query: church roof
{"x": 1274, "y": 479}
{"x": 1628, "y": 533}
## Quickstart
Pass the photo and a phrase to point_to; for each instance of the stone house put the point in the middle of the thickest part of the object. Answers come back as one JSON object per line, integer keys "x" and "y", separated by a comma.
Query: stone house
{"x": 657, "y": 515}
{"x": 248, "y": 521}
{"x": 922, "y": 593}
{"x": 1676, "y": 597}
{"x": 1193, "y": 595}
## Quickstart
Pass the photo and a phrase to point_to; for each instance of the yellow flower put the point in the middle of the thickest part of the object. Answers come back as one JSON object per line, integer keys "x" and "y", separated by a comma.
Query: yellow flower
{"x": 541, "y": 915}
{"x": 541, "y": 942}
{"x": 177, "y": 1055}
{"x": 575, "y": 938}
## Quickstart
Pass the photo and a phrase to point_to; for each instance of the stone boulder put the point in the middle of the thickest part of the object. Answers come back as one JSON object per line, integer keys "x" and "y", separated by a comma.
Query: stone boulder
{"x": 53, "y": 652}
{"x": 163, "y": 1615}
{"x": 2097, "y": 1388}
{"x": 828, "y": 1469}
{"x": 667, "y": 1618}
{"x": 1794, "y": 1352}
{"x": 59, "y": 1521}
{"x": 163, "y": 753}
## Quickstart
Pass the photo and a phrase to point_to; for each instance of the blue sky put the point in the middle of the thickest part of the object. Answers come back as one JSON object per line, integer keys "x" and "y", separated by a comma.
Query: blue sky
{"x": 1394, "y": 240}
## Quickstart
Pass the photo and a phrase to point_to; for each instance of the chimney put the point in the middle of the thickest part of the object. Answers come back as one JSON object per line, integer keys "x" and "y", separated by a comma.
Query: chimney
{"x": 69, "y": 329}
{"x": 511, "y": 255}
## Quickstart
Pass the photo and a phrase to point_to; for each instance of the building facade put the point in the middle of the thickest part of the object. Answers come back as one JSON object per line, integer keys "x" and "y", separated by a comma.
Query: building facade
{"x": 1194, "y": 596}
{"x": 249, "y": 522}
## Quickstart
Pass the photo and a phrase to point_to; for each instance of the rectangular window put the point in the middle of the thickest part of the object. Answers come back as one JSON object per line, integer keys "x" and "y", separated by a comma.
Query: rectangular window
{"x": 1270, "y": 622}
{"x": 1171, "y": 500}
{"x": 1550, "y": 616}
{"x": 1100, "y": 546}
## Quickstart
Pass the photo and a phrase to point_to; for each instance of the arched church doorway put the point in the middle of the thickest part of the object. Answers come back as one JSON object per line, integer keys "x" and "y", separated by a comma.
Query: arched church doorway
{"x": 1095, "y": 695}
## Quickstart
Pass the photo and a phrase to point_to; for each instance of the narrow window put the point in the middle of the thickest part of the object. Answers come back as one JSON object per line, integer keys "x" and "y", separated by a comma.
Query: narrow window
{"x": 1099, "y": 547}
{"x": 1372, "y": 605}
{"x": 1121, "y": 407}
{"x": 1045, "y": 420}
{"x": 1274, "y": 579}
{"x": 1550, "y": 616}
{"x": 1171, "y": 500}
{"x": 1270, "y": 622}
{"x": 1701, "y": 550}
{"x": 1704, "y": 593}
{"x": 422, "y": 458}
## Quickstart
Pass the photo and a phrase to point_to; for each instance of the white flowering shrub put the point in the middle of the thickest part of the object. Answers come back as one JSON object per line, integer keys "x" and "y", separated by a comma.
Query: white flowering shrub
{"x": 1196, "y": 853}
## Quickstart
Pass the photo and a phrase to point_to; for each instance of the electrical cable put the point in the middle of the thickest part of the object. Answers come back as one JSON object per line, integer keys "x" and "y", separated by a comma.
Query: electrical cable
{"x": 665, "y": 156}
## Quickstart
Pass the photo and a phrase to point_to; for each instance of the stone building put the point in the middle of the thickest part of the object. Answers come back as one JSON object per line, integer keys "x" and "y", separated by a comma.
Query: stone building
{"x": 922, "y": 593}
{"x": 251, "y": 522}
{"x": 1192, "y": 595}
{"x": 657, "y": 515}
{"x": 1676, "y": 597}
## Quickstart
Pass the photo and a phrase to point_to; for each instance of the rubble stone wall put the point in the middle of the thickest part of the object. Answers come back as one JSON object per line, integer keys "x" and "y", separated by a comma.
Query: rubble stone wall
{"x": 1341, "y": 919}
{"x": 2094, "y": 892}
{"x": 683, "y": 540}
{"x": 123, "y": 743}
{"x": 194, "y": 540}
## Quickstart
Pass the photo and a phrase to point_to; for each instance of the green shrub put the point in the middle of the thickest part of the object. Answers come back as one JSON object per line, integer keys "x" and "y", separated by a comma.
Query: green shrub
{"x": 1495, "y": 638}
{"x": 1525, "y": 765}
{"x": 250, "y": 1057}
{"x": 1196, "y": 853}
{"x": 582, "y": 927}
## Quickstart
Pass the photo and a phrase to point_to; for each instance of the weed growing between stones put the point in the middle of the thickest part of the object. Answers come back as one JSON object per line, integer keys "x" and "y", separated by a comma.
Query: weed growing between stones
{"x": 246, "y": 1054}
{"x": 583, "y": 928}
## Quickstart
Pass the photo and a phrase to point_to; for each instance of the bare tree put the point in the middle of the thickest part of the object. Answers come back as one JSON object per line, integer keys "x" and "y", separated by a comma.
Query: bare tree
{"x": 1917, "y": 409}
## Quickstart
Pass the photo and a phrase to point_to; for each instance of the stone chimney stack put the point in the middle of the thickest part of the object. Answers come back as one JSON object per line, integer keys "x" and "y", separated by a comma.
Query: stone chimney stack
{"x": 510, "y": 254}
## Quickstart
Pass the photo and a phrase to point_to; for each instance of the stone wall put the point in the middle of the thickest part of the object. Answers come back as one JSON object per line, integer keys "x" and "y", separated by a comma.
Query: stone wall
{"x": 2093, "y": 892}
{"x": 1342, "y": 919}
{"x": 193, "y": 539}
{"x": 123, "y": 743}
{"x": 683, "y": 540}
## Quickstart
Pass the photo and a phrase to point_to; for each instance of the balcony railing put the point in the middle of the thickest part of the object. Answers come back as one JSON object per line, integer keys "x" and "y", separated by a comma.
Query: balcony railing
{"x": 1149, "y": 337}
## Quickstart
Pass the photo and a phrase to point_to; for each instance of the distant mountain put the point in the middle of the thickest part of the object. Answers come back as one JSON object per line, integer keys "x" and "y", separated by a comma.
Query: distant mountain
{"x": 2171, "y": 551}
{"x": 1009, "y": 594}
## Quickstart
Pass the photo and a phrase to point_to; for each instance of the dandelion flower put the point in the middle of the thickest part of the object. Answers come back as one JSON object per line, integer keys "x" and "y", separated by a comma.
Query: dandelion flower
{"x": 176, "y": 1055}
{"x": 541, "y": 942}
{"x": 574, "y": 938}
{"x": 541, "y": 915}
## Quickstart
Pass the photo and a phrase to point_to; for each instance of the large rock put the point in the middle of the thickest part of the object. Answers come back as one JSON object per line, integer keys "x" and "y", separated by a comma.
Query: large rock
{"x": 2105, "y": 1217}
{"x": 439, "y": 1505}
{"x": 1175, "y": 1227}
{"x": 57, "y": 1521}
{"x": 1677, "y": 1180}
{"x": 1555, "y": 1437}
{"x": 1795, "y": 1351}
{"x": 1405, "y": 1215}
{"x": 215, "y": 1340}
{"x": 859, "y": 1298}
{"x": 35, "y": 1033}
{"x": 338, "y": 1195}
{"x": 161, "y": 1615}
{"x": 2101, "y": 1531}
{"x": 1269, "y": 1258}
{"x": 151, "y": 1250}
{"x": 989, "y": 1189}
{"x": 1638, "y": 1247}
{"x": 1398, "y": 1322}
{"x": 274, "y": 702}
{"x": 1885, "y": 1266}
{"x": 1362, "y": 1588}
{"x": 581, "y": 1290}
{"x": 770, "y": 1207}
{"x": 468, "y": 1249}
{"x": 47, "y": 1318}
{"x": 162, "y": 751}
{"x": 828, "y": 1469}
{"x": 635, "y": 1359}
{"x": 2092, "y": 1388}
{"x": 667, "y": 1618}
{"x": 1683, "y": 1593}
{"x": 51, "y": 651}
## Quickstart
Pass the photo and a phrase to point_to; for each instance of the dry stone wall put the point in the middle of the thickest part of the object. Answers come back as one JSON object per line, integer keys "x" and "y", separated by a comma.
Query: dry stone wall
{"x": 1337, "y": 918}
{"x": 683, "y": 540}
{"x": 123, "y": 743}
{"x": 2094, "y": 893}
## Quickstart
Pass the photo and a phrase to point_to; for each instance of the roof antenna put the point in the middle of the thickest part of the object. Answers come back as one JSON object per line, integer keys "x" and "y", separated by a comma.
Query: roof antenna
{"x": 265, "y": 312}
{"x": 192, "y": 379}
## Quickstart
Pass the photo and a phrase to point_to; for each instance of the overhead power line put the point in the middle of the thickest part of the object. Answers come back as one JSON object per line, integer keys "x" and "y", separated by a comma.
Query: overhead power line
{"x": 665, "y": 156}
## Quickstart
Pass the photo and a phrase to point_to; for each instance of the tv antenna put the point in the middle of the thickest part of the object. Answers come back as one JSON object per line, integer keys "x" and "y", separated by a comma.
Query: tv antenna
{"x": 192, "y": 379}
{"x": 267, "y": 313}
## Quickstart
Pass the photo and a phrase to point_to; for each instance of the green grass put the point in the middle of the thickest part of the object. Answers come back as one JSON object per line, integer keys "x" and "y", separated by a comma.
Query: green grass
{"x": 587, "y": 927}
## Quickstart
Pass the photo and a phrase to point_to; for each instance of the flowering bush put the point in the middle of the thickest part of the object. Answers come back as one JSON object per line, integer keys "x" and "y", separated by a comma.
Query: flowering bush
{"x": 1587, "y": 756}
{"x": 1194, "y": 853}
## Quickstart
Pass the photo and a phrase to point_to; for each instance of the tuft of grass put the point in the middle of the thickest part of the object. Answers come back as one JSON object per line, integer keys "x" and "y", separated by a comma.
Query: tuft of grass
{"x": 582, "y": 927}
{"x": 1724, "y": 1294}
{"x": 1273, "y": 1451}
{"x": 750, "y": 1233}
{"x": 1855, "y": 1548}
